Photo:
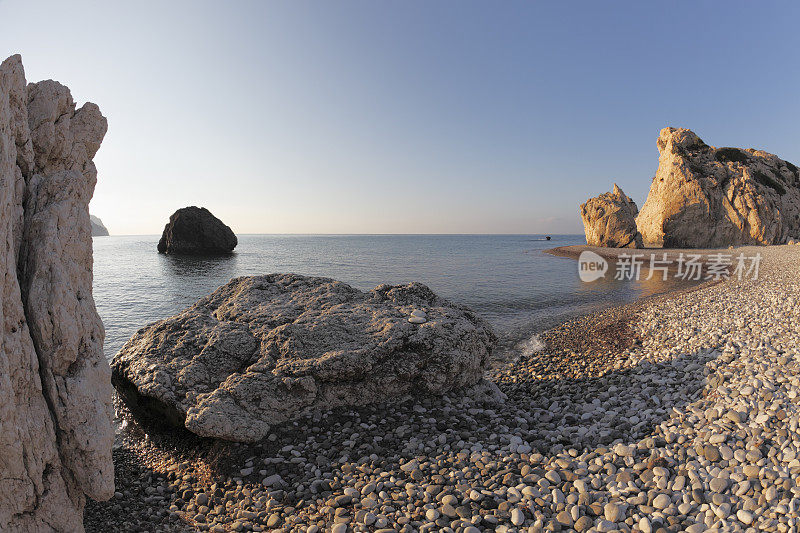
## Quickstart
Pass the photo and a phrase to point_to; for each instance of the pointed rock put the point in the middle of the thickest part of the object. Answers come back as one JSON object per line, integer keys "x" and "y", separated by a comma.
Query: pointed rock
{"x": 609, "y": 220}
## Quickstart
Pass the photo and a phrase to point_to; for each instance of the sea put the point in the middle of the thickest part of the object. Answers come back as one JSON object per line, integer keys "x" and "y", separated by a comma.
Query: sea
{"x": 506, "y": 279}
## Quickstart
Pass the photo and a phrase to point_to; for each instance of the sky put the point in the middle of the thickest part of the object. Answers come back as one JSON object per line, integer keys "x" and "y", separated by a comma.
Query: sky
{"x": 404, "y": 117}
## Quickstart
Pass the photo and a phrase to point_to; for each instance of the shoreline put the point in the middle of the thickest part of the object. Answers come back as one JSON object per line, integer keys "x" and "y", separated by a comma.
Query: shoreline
{"x": 620, "y": 388}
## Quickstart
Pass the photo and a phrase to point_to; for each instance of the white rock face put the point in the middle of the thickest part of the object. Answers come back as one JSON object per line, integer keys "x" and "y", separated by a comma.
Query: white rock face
{"x": 610, "y": 220}
{"x": 55, "y": 391}
{"x": 707, "y": 197}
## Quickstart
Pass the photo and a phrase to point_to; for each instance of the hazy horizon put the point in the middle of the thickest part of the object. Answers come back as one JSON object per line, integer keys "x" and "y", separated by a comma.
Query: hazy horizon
{"x": 404, "y": 118}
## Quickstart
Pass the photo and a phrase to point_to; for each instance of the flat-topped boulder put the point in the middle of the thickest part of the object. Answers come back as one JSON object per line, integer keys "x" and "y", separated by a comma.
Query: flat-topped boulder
{"x": 707, "y": 197}
{"x": 195, "y": 231}
{"x": 265, "y": 349}
{"x": 610, "y": 220}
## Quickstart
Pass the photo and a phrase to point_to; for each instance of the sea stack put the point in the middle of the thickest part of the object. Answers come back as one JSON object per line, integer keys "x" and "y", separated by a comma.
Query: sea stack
{"x": 279, "y": 346}
{"x": 195, "y": 231}
{"x": 707, "y": 197}
{"x": 55, "y": 388}
{"x": 702, "y": 197}
{"x": 610, "y": 220}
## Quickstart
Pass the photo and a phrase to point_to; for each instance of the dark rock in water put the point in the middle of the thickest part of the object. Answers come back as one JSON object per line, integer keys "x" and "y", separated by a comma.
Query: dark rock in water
{"x": 98, "y": 229}
{"x": 194, "y": 230}
{"x": 265, "y": 349}
{"x": 548, "y": 237}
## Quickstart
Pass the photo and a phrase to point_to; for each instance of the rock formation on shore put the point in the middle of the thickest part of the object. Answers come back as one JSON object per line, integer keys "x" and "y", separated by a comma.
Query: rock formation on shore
{"x": 55, "y": 391}
{"x": 610, "y": 220}
{"x": 98, "y": 228}
{"x": 707, "y": 197}
{"x": 262, "y": 350}
{"x": 195, "y": 231}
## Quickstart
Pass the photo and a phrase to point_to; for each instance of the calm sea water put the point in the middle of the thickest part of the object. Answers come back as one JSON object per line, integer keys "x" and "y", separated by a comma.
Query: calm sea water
{"x": 505, "y": 278}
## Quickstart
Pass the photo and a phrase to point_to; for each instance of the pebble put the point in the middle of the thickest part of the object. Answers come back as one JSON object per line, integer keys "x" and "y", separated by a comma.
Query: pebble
{"x": 662, "y": 501}
{"x": 751, "y": 471}
{"x": 272, "y": 481}
{"x": 624, "y": 451}
{"x": 612, "y": 512}
{"x": 553, "y": 477}
{"x": 517, "y": 518}
{"x": 718, "y": 485}
{"x": 582, "y": 524}
{"x": 745, "y": 517}
{"x": 712, "y": 453}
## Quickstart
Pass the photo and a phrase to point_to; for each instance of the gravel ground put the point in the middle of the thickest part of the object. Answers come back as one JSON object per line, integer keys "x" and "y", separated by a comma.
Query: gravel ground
{"x": 677, "y": 413}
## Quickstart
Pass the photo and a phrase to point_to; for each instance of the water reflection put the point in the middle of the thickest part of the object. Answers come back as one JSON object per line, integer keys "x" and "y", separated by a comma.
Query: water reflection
{"x": 185, "y": 267}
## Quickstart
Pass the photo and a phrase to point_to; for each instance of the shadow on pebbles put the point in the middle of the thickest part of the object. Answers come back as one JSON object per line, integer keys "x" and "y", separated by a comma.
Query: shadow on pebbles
{"x": 574, "y": 395}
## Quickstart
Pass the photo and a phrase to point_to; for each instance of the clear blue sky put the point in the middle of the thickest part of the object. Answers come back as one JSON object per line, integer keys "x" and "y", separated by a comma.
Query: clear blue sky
{"x": 405, "y": 117}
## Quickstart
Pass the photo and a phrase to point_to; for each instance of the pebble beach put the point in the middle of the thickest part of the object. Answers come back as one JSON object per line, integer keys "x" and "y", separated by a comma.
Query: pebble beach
{"x": 675, "y": 413}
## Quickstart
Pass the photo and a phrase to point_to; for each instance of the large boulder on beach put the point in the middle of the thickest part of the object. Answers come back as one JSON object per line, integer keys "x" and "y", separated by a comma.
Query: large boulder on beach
{"x": 707, "y": 197}
{"x": 610, "y": 220}
{"x": 55, "y": 388}
{"x": 265, "y": 349}
{"x": 195, "y": 231}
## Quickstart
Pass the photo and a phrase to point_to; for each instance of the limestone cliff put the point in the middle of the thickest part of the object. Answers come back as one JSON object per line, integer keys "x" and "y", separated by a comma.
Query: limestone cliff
{"x": 707, "y": 197}
{"x": 55, "y": 391}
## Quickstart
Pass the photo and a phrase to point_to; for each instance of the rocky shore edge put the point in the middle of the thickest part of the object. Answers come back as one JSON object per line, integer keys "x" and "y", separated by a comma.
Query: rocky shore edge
{"x": 675, "y": 413}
